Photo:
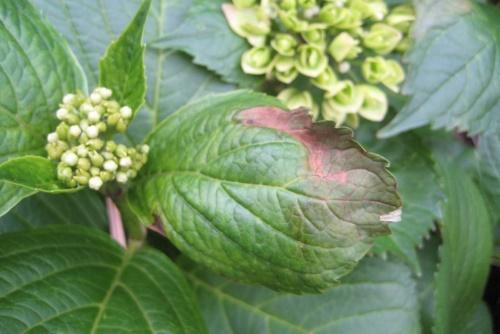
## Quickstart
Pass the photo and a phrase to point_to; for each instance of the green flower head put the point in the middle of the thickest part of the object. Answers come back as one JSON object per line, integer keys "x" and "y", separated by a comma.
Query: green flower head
{"x": 251, "y": 23}
{"x": 375, "y": 69}
{"x": 315, "y": 37}
{"x": 284, "y": 69}
{"x": 370, "y": 9}
{"x": 345, "y": 99}
{"x": 395, "y": 75}
{"x": 401, "y": 18}
{"x": 294, "y": 98}
{"x": 326, "y": 80}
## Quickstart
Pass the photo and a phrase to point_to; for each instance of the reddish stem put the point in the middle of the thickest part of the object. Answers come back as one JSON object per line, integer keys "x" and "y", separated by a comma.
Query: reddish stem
{"x": 115, "y": 223}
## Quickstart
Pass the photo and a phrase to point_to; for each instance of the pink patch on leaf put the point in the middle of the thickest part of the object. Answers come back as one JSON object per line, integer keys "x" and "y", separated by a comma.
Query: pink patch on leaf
{"x": 319, "y": 140}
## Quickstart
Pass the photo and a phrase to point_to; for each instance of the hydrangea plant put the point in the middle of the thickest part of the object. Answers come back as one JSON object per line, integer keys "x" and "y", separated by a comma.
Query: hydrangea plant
{"x": 184, "y": 166}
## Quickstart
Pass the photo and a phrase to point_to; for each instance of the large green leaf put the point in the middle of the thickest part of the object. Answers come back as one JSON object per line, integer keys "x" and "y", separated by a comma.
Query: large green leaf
{"x": 489, "y": 169}
{"x": 377, "y": 298}
{"x": 76, "y": 280}
{"x": 260, "y": 194}
{"x": 466, "y": 251}
{"x": 172, "y": 79}
{"x": 418, "y": 185}
{"x": 122, "y": 67}
{"x": 206, "y": 36}
{"x": 85, "y": 207}
{"x": 454, "y": 76}
{"x": 36, "y": 69}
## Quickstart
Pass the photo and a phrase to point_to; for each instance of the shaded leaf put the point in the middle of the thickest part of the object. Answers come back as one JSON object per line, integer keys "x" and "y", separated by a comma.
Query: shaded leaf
{"x": 76, "y": 280}
{"x": 378, "y": 297}
{"x": 205, "y": 35}
{"x": 33, "y": 172}
{"x": 85, "y": 207}
{"x": 466, "y": 251}
{"x": 262, "y": 195}
{"x": 10, "y": 195}
{"x": 454, "y": 76}
{"x": 122, "y": 67}
{"x": 413, "y": 168}
{"x": 172, "y": 79}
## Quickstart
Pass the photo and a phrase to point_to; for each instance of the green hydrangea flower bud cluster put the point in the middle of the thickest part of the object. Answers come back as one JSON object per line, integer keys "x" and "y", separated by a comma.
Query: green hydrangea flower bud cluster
{"x": 344, "y": 49}
{"x": 82, "y": 142}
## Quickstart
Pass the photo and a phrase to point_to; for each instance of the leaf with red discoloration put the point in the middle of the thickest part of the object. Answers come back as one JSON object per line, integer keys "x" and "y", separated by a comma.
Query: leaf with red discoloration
{"x": 264, "y": 195}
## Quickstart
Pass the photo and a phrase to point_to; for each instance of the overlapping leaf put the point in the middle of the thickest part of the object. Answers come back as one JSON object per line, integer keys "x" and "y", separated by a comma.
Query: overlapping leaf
{"x": 260, "y": 194}
{"x": 83, "y": 208}
{"x": 454, "y": 76}
{"x": 465, "y": 254}
{"x": 377, "y": 298}
{"x": 36, "y": 69}
{"x": 206, "y": 36}
{"x": 76, "y": 280}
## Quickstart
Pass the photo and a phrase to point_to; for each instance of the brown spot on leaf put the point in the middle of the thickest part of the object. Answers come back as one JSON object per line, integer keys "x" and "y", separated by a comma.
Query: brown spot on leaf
{"x": 298, "y": 124}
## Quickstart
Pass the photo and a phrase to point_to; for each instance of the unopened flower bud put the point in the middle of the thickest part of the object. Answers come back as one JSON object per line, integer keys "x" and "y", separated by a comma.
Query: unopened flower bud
{"x": 294, "y": 98}
{"x": 344, "y": 46}
{"x": 104, "y": 92}
{"x": 96, "y": 159}
{"x": 375, "y": 104}
{"x": 395, "y": 75}
{"x": 95, "y": 182}
{"x": 113, "y": 119}
{"x": 344, "y": 67}
{"x": 69, "y": 158}
{"x": 382, "y": 38}
{"x": 92, "y": 131}
{"x": 370, "y": 9}
{"x": 310, "y": 61}
{"x": 82, "y": 151}
{"x": 86, "y": 108}
{"x": 62, "y": 113}
{"x": 110, "y": 166}
{"x": 404, "y": 45}
{"x": 52, "y": 137}
{"x": 284, "y": 44}
{"x": 332, "y": 14}
{"x": 64, "y": 173}
{"x": 325, "y": 80}
{"x": 258, "y": 60}
{"x": 346, "y": 98}
{"x": 121, "y": 126}
{"x": 126, "y": 112}
{"x": 81, "y": 179}
{"x": 121, "y": 177}
{"x": 84, "y": 164}
{"x": 72, "y": 119}
{"x": 62, "y": 130}
{"x": 95, "y": 98}
{"x": 68, "y": 98}
{"x": 145, "y": 149}
{"x": 125, "y": 162}
{"x": 106, "y": 176}
{"x": 94, "y": 171}
{"x": 401, "y": 18}
{"x": 95, "y": 144}
{"x": 248, "y": 22}
{"x": 315, "y": 37}
{"x": 74, "y": 131}
{"x": 93, "y": 116}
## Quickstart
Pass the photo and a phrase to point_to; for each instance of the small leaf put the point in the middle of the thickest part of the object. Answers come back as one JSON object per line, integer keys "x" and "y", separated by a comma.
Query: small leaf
{"x": 32, "y": 172}
{"x": 379, "y": 297}
{"x": 122, "y": 67}
{"x": 262, "y": 195}
{"x": 465, "y": 254}
{"x": 70, "y": 279}
{"x": 205, "y": 35}
{"x": 85, "y": 207}
{"x": 454, "y": 76}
